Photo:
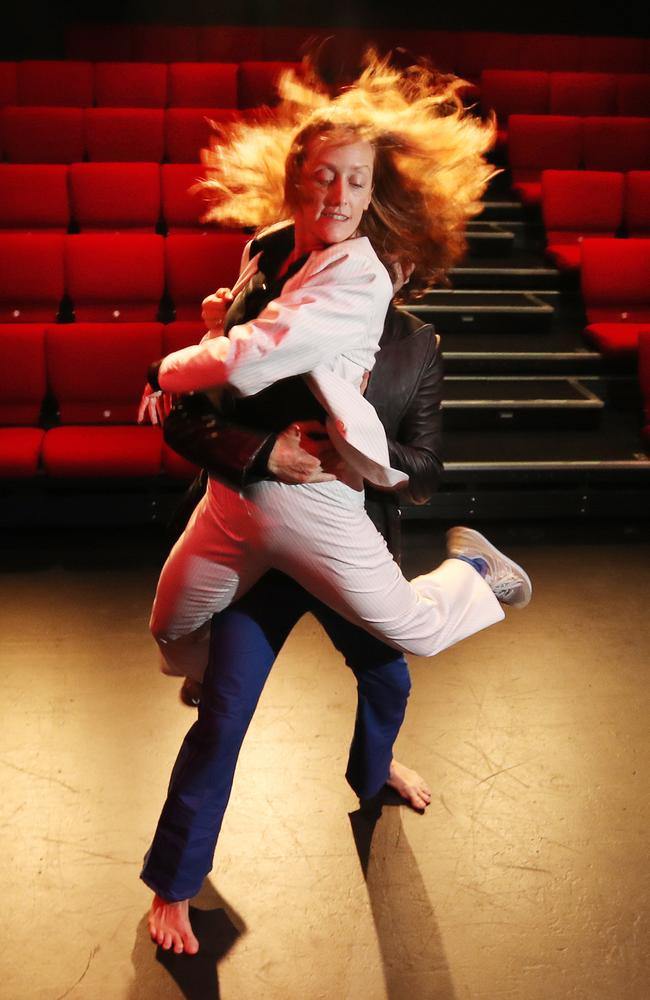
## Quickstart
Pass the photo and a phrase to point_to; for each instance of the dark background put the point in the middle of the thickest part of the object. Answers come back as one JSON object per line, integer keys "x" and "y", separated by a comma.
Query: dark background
{"x": 36, "y": 28}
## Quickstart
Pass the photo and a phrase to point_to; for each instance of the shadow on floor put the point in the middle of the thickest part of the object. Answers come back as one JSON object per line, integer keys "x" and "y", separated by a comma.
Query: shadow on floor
{"x": 197, "y": 976}
{"x": 412, "y": 950}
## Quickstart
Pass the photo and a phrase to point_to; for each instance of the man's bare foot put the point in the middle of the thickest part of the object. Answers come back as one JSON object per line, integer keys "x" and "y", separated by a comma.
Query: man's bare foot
{"x": 409, "y": 784}
{"x": 169, "y": 926}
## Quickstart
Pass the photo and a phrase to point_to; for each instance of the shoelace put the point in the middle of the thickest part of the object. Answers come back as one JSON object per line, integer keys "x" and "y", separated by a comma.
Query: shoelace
{"x": 506, "y": 586}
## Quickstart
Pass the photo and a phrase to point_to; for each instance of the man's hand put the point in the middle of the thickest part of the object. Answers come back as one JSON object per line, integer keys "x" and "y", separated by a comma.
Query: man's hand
{"x": 154, "y": 406}
{"x": 303, "y": 453}
{"x": 214, "y": 309}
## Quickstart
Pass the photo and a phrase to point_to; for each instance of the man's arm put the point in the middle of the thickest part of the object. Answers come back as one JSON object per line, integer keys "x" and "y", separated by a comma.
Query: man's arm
{"x": 416, "y": 449}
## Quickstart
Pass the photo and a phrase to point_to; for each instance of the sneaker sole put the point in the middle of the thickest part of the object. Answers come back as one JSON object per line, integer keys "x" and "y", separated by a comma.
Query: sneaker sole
{"x": 467, "y": 536}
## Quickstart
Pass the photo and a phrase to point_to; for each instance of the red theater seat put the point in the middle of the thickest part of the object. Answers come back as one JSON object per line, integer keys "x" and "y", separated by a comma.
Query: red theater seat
{"x": 550, "y": 52}
{"x": 112, "y": 196}
{"x": 101, "y": 406}
{"x": 633, "y": 94}
{"x": 644, "y": 379}
{"x": 511, "y": 92}
{"x": 576, "y": 204}
{"x": 637, "y": 203}
{"x": 582, "y": 94}
{"x": 117, "y": 277}
{"x": 98, "y": 41}
{"x": 34, "y": 198}
{"x": 479, "y": 50}
{"x": 203, "y": 85}
{"x": 8, "y": 85}
{"x": 182, "y": 208}
{"x": 537, "y": 143}
{"x": 609, "y": 54}
{"x": 22, "y": 389}
{"x": 228, "y": 42}
{"x": 42, "y": 135}
{"x": 258, "y": 82}
{"x": 51, "y": 82}
{"x": 131, "y": 85}
{"x": 197, "y": 265}
{"x": 616, "y": 291}
{"x": 31, "y": 277}
{"x": 616, "y": 143}
{"x": 189, "y": 130}
{"x": 164, "y": 43}
{"x": 125, "y": 134}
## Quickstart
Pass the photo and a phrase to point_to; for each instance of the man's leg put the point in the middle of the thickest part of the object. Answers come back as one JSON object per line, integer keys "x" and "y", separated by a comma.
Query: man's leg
{"x": 245, "y": 642}
{"x": 383, "y": 686}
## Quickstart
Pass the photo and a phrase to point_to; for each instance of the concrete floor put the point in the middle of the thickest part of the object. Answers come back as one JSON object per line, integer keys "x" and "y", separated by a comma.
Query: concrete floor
{"x": 527, "y": 879}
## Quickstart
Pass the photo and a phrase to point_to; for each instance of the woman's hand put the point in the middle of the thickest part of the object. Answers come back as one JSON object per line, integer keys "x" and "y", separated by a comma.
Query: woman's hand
{"x": 303, "y": 453}
{"x": 214, "y": 309}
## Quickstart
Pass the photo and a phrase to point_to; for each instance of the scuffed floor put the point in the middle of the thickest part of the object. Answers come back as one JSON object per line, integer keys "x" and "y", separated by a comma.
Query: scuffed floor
{"x": 527, "y": 879}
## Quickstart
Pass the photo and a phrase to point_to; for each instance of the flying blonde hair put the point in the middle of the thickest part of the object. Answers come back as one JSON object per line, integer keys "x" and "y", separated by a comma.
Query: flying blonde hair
{"x": 429, "y": 167}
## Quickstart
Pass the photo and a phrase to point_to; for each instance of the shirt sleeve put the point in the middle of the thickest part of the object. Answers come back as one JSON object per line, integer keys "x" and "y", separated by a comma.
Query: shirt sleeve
{"x": 331, "y": 312}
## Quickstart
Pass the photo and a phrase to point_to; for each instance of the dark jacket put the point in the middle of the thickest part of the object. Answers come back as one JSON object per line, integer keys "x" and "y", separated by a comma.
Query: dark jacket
{"x": 405, "y": 388}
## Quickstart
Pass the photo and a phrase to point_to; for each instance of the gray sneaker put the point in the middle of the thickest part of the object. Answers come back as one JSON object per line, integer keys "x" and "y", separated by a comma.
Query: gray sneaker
{"x": 507, "y": 581}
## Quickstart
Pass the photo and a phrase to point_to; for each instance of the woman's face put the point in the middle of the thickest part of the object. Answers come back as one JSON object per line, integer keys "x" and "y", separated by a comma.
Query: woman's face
{"x": 335, "y": 190}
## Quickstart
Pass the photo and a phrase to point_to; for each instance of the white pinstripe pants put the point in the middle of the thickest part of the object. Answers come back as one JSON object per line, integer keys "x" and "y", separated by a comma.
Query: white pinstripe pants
{"x": 322, "y": 537}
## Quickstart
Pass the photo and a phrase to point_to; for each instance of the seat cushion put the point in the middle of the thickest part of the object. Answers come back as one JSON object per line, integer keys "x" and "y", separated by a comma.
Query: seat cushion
{"x": 103, "y": 451}
{"x": 616, "y": 340}
{"x": 20, "y": 451}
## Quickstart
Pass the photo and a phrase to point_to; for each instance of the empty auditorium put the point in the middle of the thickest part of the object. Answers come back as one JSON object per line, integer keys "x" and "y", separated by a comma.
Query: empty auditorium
{"x": 325, "y": 500}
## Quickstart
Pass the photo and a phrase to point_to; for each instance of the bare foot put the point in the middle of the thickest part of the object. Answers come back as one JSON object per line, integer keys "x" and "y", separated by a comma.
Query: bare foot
{"x": 169, "y": 926}
{"x": 409, "y": 784}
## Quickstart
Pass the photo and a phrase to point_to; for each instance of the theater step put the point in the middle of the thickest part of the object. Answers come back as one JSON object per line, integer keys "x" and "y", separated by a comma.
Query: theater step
{"x": 519, "y": 401}
{"x": 490, "y": 239}
{"x": 528, "y": 274}
{"x": 485, "y": 311}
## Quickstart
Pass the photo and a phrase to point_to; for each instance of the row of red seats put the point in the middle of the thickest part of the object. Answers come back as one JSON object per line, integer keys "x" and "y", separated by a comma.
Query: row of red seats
{"x": 96, "y": 433}
{"x": 644, "y": 379}
{"x": 128, "y": 135}
{"x": 615, "y": 278}
{"x": 139, "y": 197}
{"x": 119, "y": 277}
{"x": 56, "y": 83}
{"x": 464, "y": 52}
{"x": 581, "y": 203}
{"x": 562, "y": 142}
{"x": 536, "y": 92}
{"x": 249, "y": 84}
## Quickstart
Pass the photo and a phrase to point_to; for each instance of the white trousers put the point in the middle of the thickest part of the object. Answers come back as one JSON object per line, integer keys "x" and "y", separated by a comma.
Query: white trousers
{"x": 322, "y": 537}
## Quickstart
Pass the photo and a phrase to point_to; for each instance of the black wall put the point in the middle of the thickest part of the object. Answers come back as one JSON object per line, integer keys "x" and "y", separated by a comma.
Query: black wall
{"x": 36, "y": 28}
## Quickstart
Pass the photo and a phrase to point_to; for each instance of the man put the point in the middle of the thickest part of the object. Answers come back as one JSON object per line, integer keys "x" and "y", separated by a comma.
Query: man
{"x": 405, "y": 388}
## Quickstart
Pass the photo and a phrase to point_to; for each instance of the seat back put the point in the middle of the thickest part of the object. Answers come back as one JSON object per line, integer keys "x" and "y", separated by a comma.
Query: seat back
{"x": 31, "y": 277}
{"x": 196, "y": 266}
{"x": 111, "y": 196}
{"x": 115, "y": 277}
{"x": 22, "y": 373}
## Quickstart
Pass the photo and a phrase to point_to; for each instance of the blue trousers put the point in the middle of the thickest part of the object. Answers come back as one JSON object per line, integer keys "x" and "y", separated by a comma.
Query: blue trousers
{"x": 246, "y": 639}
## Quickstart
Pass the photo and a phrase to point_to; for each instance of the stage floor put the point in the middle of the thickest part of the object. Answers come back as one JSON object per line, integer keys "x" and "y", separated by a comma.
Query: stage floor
{"x": 526, "y": 879}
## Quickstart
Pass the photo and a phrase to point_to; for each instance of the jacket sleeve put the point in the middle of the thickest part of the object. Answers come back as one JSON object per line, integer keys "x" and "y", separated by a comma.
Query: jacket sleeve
{"x": 329, "y": 313}
{"x": 235, "y": 454}
{"x": 417, "y": 449}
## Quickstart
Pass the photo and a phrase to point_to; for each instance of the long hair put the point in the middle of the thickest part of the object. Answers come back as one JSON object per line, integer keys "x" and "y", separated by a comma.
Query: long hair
{"x": 429, "y": 160}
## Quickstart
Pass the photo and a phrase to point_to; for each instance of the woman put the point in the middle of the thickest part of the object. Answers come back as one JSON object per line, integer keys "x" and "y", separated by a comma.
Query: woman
{"x": 394, "y": 157}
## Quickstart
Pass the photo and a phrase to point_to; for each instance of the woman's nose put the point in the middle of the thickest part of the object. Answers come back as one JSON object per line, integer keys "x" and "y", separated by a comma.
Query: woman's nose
{"x": 337, "y": 192}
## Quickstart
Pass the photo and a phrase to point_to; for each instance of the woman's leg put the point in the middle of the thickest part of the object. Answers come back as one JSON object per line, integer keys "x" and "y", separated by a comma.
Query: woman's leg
{"x": 325, "y": 541}
{"x": 246, "y": 639}
{"x": 215, "y": 560}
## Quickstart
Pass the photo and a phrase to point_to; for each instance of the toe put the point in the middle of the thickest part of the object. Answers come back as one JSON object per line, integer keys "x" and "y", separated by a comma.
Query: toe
{"x": 166, "y": 941}
{"x": 178, "y": 945}
{"x": 190, "y": 944}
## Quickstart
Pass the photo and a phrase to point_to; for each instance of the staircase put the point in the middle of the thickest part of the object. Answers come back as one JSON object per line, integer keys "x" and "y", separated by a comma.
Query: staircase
{"x": 536, "y": 424}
